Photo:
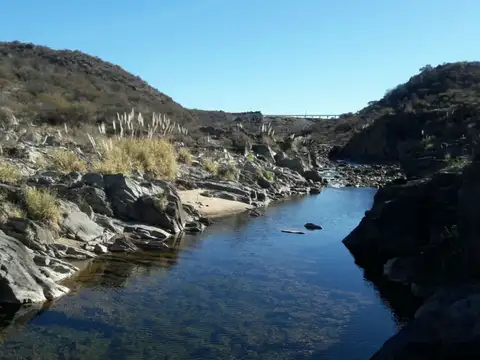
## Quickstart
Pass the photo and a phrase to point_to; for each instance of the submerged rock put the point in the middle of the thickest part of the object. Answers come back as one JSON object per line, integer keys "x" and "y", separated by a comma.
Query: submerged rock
{"x": 293, "y": 232}
{"x": 312, "y": 226}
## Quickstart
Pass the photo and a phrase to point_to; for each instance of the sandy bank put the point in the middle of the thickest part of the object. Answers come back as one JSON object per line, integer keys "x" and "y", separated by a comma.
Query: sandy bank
{"x": 212, "y": 207}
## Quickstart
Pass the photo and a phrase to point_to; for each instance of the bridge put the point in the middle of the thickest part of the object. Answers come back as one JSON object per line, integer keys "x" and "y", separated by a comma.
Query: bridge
{"x": 305, "y": 116}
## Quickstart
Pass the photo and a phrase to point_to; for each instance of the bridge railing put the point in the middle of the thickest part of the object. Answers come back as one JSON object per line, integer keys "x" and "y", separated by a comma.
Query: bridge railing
{"x": 305, "y": 116}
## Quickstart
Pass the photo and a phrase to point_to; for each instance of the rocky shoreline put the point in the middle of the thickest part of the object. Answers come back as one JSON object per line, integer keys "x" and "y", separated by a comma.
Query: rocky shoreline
{"x": 421, "y": 234}
{"x": 103, "y": 213}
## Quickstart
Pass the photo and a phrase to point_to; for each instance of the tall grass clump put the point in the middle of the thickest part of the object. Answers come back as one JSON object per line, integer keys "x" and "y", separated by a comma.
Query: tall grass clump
{"x": 184, "y": 156}
{"x": 210, "y": 166}
{"x": 66, "y": 161}
{"x": 10, "y": 173}
{"x": 228, "y": 172}
{"x": 9, "y": 209}
{"x": 42, "y": 205}
{"x": 154, "y": 156}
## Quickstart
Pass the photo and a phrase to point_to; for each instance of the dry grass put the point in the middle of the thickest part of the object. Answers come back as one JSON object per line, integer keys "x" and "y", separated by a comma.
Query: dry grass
{"x": 42, "y": 205}
{"x": 184, "y": 156}
{"x": 10, "y": 173}
{"x": 228, "y": 172}
{"x": 9, "y": 210}
{"x": 66, "y": 161}
{"x": 210, "y": 166}
{"x": 265, "y": 174}
{"x": 153, "y": 156}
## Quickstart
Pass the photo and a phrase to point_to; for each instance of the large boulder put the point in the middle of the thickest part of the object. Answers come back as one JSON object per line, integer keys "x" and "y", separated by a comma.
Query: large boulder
{"x": 156, "y": 203}
{"x": 21, "y": 280}
{"x": 295, "y": 163}
{"x": 445, "y": 327}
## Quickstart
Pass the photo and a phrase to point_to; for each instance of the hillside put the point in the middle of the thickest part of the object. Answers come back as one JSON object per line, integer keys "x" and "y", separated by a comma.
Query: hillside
{"x": 433, "y": 117}
{"x": 54, "y": 86}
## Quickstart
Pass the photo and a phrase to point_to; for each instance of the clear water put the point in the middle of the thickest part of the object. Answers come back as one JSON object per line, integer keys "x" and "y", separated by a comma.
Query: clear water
{"x": 241, "y": 290}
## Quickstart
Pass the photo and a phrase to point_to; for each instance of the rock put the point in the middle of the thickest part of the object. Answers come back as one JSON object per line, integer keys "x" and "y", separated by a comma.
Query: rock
{"x": 194, "y": 227}
{"x": 295, "y": 164}
{"x": 20, "y": 278}
{"x": 264, "y": 183}
{"x": 315, "y": 191}
{"x": 147, "y": 232}
{"x": 30, "y": 233}
{"x": 225, "y": 187}
{"x": 293, "y": 232}
{"x": 122, "y": 244}
{"x": 156, "y": 203}
{"x": 313, "y": 175}
{"x": 100, "y": 249}
{"x": 265, "y": 151}
{"x": 445, "y": 327}
{"x": 311, "y": 226}
{"x": 79, "y": 226}
{"x": 255, "y": 213}
{"x": 94, "y": 197}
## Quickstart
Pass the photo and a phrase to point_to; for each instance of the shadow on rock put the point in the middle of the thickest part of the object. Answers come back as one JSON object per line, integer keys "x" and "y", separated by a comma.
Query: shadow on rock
{"x": 14, "y": 317}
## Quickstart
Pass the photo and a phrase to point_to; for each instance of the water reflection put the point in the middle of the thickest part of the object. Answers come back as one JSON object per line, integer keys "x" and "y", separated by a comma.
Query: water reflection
{"x": 243, "y": 290}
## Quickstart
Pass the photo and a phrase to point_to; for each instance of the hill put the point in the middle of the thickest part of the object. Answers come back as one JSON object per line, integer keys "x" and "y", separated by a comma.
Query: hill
{"x": 431, "y": 119}
{"x": 56, "y": 86}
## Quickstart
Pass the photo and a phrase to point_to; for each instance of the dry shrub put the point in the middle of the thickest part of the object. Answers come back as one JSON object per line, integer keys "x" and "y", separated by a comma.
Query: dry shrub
{"x": 184, "y": 156}
{"x": 228, "y": 172}
{"x": 66, "y": 161}
{"x": 42, "y": 205}
{"x": 10, "y": 173}
{"x": 9, "y": 209}
{"x": 154, "y": 156}
{"x": 210, "y": 166}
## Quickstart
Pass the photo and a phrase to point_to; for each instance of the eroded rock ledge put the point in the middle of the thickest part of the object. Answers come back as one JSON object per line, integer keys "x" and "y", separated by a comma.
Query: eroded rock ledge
{"x": 424, "y": 234}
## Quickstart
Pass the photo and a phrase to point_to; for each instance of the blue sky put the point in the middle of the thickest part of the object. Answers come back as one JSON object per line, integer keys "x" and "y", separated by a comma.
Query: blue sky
{"x": 277, "y": 56}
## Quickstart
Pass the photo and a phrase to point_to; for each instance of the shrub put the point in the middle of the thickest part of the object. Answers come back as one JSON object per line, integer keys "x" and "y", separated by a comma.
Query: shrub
{"x": 210, "y": 166}
{"x": 10, "y": 173}
{"x": 184, "y": 156}
{"x": 42, "y": 205}
{"x": 228, "y": 172}
{"x": 9, "y": 209}
{"x": 153, "y": 156}
{"x": 250, "y": 157}
{"x": 265, "y": 174}
{"x": 66, "y": 161}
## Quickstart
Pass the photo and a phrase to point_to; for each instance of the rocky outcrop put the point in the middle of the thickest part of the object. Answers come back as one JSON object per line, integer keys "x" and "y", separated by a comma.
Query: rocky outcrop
{"x": 424, "y": 234}
{"x": 21, "y": 280}
{"x": 444, "y": 327}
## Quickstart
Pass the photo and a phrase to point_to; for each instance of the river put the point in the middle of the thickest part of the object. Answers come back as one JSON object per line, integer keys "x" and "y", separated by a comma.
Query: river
{"x": 241, "y": 290}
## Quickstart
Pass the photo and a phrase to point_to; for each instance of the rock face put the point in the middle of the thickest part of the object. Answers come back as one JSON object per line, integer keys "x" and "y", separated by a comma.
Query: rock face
{"x": 445, "y": 327}
{"x": 425, "y": 234}
{"x": 156, "y": 203}
{"x": 21, "y": 280}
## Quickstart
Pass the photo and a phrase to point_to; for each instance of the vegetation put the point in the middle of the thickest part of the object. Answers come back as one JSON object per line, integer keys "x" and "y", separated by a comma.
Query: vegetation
{"x": 228, "y": 172}
{"x": 153, "y": 156}
{"x": 42, "y": 205}
{"x": 66, "y": 161}
{"x": 9, "y": 173}
{"x": 210, "y": 166}
{"x": 184, "y": 156}
{"x": 57, "y": 86}
{"x": 9, "y": 209}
